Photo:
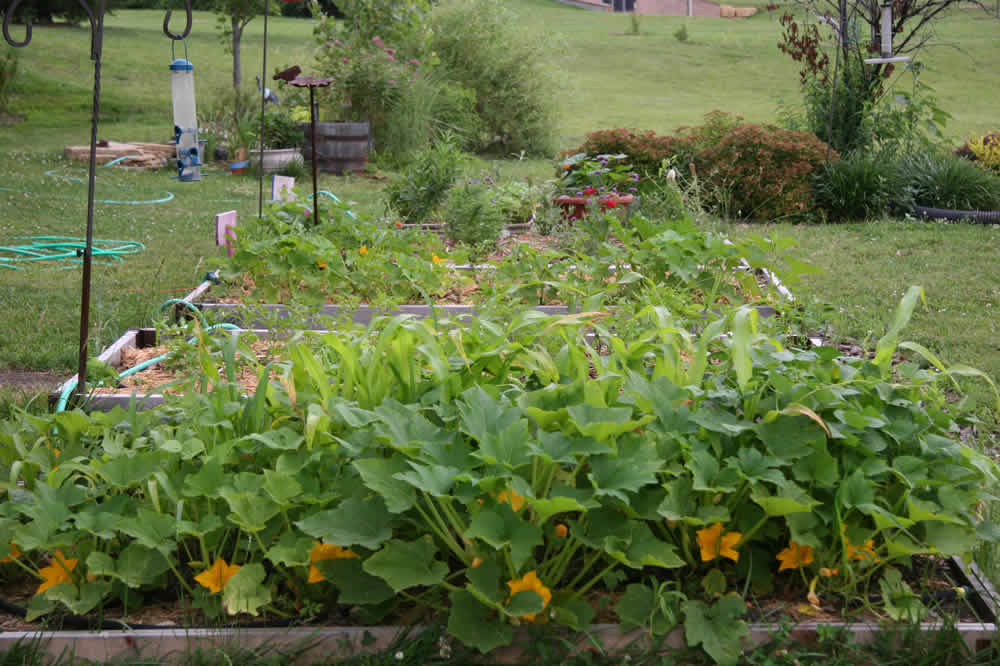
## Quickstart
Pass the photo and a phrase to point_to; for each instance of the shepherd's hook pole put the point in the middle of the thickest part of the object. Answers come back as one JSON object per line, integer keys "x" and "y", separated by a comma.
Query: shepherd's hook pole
{"x": 88, "y": 251}
{"x": 96, "y": 45}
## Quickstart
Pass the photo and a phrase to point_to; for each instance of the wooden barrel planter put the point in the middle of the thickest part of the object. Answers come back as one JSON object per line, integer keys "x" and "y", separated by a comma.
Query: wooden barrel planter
{"x": 341, "y": 147}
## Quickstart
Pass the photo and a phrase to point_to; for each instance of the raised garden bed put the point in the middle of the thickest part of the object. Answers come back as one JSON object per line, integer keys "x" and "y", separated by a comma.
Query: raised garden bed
{"x": 504, "y": 473}
{"x": 321, "y": 643}
{"x": 149, "y": 388}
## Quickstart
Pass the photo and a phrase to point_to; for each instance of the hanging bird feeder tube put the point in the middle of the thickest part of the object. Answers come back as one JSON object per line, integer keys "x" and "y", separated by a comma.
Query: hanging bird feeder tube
{"x": 885, "y": 34}
{"x": 185, "y": 119}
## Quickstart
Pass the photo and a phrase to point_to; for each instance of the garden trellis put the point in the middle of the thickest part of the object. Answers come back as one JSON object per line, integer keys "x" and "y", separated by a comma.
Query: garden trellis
{"x": 95, "y": 15}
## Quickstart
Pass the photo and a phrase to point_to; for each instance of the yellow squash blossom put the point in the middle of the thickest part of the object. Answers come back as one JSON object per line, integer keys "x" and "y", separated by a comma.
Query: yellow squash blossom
{"x": 437, "y": 260}
{"x": 512, "y": 498}
{"x": 828, "y": 573}
{"x": 865, "y": 552}
{"x": 530, "y": 581}
{"x": 795, "y": 556}
{"x": 325, "y": 551}
{"x": 215, "y": 577}
{"x": 561, "y": 531}
{"x": 715, "y": 544}
{"x": 14, "y": 553}
{"x": 57, "y": 572}
{"x": 363, "y": 250}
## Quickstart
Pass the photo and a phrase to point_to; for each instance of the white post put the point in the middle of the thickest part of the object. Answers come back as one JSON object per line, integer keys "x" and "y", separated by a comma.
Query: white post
{"x": 691, "y": 7}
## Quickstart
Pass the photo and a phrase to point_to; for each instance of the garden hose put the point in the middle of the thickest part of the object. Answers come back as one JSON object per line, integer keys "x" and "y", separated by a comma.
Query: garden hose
{"x": 337, "y": 199}
{"x": 72, "y": 383}
{"x": 52, "y": 173}
{"x": 58, "y": 248}
{"x": 190, "y": 306}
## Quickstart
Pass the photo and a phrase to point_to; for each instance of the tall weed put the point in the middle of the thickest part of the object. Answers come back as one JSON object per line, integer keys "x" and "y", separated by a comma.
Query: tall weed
{"x": 426, "y": 182}
{"x": 484, "y": 47}
{"x": 472, "y": 215}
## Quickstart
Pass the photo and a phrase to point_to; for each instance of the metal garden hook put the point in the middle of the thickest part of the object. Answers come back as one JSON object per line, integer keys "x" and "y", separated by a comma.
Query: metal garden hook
{"x": 187, "y": 26}
{"x": 6, "y": 27}
{"x": 95, "y": 33}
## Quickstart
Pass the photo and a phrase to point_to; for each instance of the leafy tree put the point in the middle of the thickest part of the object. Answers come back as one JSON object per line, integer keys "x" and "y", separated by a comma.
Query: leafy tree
{"x": 234, "y": 16}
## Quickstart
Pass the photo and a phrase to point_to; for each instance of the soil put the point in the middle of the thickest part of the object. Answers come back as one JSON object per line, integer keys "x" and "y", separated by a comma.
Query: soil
{"x": 160, "y": 375}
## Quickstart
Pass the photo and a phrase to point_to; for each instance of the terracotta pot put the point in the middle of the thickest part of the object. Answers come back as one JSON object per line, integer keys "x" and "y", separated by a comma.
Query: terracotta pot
{"x": 574, "y": 208}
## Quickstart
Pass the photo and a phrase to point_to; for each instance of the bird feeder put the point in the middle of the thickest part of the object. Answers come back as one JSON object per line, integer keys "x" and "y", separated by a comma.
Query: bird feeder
{"x": 885, "y": 32}
{"x": 185, "y": 119}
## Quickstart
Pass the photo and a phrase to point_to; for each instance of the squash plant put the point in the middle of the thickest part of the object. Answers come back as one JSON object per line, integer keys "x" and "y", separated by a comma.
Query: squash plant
{"x": 350, "y": 260}
{"x": 502, "y": 473}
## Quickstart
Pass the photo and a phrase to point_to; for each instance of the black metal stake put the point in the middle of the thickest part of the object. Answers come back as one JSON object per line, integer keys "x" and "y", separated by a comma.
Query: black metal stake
{"x": 95, "y": 55}
{"x": 312, "y": 132}
{"x": 293, "y": 76}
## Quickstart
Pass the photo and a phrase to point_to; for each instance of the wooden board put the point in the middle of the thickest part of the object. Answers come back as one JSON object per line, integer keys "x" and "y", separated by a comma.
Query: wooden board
{"x": 140, "y": 155}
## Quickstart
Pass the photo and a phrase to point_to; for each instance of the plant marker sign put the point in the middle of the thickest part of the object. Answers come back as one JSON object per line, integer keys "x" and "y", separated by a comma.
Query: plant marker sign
{"x": 281, "y": 188}
{"x": 225, "y": 230}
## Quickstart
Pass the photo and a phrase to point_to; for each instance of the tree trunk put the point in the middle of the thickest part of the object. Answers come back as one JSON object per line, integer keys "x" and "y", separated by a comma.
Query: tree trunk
{"x": 237, "y": 67}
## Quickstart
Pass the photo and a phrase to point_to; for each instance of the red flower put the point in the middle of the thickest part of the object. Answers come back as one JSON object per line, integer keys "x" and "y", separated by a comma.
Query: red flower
{"x": 610, "y": 203}
{"x": 590, "y": 190}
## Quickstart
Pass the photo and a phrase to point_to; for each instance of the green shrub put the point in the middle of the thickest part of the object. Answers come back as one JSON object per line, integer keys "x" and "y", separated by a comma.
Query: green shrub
{"x": 483, "y": 48}
{"x": 758, "y": 171}
{"x": 753, "y": 171}
{"x": 280, "y": 131}
{"x": 471, "y": 214}
{"x": 941, "y": 180}
{"x": 426, "y": 182}
{"x": 860, "y": 185}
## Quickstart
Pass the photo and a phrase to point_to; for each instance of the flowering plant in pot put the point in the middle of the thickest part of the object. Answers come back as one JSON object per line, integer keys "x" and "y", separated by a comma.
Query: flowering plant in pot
{"x": 282, "y": 138}
{"x": 605, "y": 180}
